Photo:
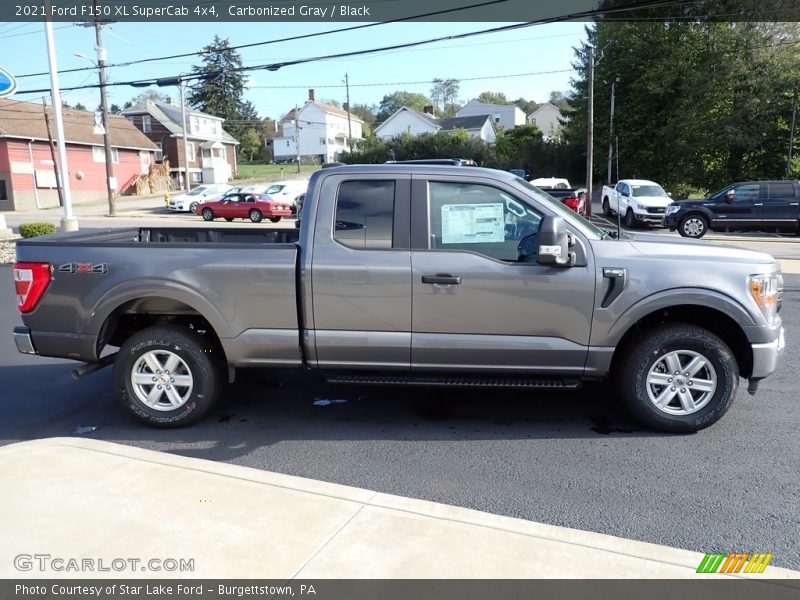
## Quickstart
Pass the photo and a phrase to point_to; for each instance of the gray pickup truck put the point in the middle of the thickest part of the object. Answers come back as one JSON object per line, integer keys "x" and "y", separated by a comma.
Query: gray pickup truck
{"x": 407, "y": 274}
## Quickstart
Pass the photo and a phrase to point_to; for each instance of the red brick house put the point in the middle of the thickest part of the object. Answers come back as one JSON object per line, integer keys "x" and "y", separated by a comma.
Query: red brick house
{"x": 27, "y": 175}
{"x": 212, "y": 150}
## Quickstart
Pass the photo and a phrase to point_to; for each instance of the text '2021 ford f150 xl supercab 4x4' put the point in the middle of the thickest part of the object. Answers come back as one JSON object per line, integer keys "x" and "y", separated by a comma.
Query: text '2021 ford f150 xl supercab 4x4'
{"x": 411, "y": 274}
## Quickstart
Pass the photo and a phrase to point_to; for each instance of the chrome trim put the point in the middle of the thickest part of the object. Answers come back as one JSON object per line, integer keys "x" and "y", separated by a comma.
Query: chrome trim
{"x": 24, "y": 342}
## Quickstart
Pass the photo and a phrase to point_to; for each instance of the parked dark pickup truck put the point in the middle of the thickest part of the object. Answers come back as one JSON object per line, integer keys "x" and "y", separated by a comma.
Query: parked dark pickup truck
{"x": 407, "y": 274}
{"x": 759, "y": 205}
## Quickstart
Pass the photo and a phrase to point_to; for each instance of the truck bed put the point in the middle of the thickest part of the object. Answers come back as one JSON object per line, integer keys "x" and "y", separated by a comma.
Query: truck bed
{"x": 169, "y": 235}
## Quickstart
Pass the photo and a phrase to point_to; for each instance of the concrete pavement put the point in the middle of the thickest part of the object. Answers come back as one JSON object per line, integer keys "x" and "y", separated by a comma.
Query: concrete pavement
{"x": 83, "y": 498}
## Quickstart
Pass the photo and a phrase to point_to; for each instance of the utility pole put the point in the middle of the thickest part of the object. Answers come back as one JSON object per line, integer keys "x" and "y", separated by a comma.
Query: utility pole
{"x": 53, "y": 153}
{"x": 791, "y": 136}
{"x": 349, "y": 125}
{"x": 297, "y": 135}
{"x": 101, "y": 70}
{"x": 186, "y": 178}
{"x": 68, "y": 221}
{"x": 611, "y": 131}
{"x": 590, "y": 123}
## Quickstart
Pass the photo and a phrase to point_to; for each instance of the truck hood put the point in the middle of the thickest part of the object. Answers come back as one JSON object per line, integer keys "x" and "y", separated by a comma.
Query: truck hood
{"x": 670, "y": 249}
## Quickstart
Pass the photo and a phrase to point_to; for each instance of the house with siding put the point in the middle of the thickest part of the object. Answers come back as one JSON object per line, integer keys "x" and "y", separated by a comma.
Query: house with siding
{"x": 505, "y": 116}
{"x": 548, "y": 119}
{"x": 211, "y": 149}
{"x": 412, "y": 122}
{"x": 27, "y": 172}
{"x": 321, "y": 130}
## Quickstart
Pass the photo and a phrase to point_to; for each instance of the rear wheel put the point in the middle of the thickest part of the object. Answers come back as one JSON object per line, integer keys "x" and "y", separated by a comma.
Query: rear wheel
{"x": 208, "y": 214}
{"x": 693, "y": 226}
{"x": 678, "y": 377}
{"x": 255, "y": 216}
{"x": 274, "y": 219}
{"x": 166, "y": 376}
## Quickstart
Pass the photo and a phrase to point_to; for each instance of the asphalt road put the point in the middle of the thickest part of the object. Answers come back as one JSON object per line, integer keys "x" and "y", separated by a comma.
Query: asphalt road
{"x": 569, "y": 458}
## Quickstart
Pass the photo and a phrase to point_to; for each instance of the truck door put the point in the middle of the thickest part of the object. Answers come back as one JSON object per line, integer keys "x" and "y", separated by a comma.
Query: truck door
{"x": 361, "y": 272}
{"x": 780, "y": 204}
{"x": 742, "y": 213}
{"x": 476, "y": 308}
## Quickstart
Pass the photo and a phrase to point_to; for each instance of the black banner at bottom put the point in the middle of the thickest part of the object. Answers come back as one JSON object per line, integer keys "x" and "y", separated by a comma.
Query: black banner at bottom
{"x": 397, "y": 589}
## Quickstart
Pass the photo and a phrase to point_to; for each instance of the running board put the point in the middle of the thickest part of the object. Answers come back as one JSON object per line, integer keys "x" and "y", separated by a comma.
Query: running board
{"x": 563, "y": 383}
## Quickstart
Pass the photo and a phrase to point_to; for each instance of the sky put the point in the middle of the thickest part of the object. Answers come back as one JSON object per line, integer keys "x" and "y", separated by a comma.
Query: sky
{"x": 529, "y": 62}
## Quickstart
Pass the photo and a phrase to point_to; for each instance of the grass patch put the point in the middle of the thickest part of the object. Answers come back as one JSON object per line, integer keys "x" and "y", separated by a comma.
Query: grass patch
{"x": 271, "y": 172}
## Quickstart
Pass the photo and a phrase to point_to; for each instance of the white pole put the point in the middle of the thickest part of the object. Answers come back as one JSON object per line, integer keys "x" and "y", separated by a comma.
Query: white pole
{"x": 68, "y": 222}
{"x": 187, "y": 180}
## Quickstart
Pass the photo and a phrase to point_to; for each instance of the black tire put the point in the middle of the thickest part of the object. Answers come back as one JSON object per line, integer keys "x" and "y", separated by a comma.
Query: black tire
{"x": 693, "y": 226}
{"x": 208, "y": 214}
{"x": 229, "y": 219}
{"x": 606, "y": 207}
{"x": 651, "y": 351}
{"x": 193, "y": 206}
{"x": 628, "y": 221}
{"x": 256, "y": 216}
{"x": 274, "y": 219}
{"x": 197, "y": 355}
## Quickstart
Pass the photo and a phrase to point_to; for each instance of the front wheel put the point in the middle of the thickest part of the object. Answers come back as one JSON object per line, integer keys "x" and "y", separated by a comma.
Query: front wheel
{"x": 166, "y": 377}
{"x": 274, "y": 219}
{"x": 208, "y": 214}
{"x": 629, "y": 219}
{"x": 693, "y": 226}
{"x": 606, "y": 208}
{"x": 678, "y": 378}
{"x": 255, "y": 216}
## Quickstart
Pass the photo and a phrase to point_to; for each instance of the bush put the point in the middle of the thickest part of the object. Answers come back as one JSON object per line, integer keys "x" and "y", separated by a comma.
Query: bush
{"x": 29, "y": 230}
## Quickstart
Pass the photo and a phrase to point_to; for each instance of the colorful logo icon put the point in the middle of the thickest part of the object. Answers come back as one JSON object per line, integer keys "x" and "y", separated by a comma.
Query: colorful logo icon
{"x": 8, "y": 85}
{"x": 734, "y": 562}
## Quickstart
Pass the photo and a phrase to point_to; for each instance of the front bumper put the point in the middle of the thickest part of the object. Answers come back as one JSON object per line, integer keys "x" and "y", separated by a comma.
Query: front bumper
{"x": 670, "y": 221}
{"x": 649, "y": 218}
{"x": 22, "y": 338}
{"x": 765, "y": 356}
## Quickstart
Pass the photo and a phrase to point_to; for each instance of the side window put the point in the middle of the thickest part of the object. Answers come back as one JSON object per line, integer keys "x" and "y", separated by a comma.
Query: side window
{"x": 747, "y": 193}
{"x": 781, "y": 191}
{"x": 365, "y": 214}
{"x": 620, "y": 187}
{"x": 478, "y": 218}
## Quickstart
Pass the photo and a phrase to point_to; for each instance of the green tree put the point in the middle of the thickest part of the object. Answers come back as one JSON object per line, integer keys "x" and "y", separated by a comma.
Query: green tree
{"x": 526, "y": 106}
{"x": 489, "y": 97}
{"x": 149, "y": 95}
{"x": 393, "y": 102}
{"x": 444, "y": 95}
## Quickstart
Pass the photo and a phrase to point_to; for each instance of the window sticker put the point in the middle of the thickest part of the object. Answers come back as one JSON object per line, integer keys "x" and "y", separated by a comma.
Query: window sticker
{"x": 473, "y": 223}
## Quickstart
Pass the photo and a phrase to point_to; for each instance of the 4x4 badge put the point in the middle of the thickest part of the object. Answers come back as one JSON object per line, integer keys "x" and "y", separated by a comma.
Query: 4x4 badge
{"x": 99, "y": 268}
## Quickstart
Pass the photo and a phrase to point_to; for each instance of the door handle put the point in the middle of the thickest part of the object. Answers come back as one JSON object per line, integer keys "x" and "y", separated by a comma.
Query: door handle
{"x": 758, "y": 204}
{"x": 442, "y": 279}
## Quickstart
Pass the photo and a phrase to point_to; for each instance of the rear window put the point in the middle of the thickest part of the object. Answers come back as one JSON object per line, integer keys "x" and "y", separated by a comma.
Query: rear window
{"x": 365, "y": 214}
{"x": 781, "y": 190}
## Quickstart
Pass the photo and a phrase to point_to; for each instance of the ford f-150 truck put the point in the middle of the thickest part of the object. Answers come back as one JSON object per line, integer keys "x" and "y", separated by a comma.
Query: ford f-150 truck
{"x": 636, "y": 201}
{"x": 412, "y": 274}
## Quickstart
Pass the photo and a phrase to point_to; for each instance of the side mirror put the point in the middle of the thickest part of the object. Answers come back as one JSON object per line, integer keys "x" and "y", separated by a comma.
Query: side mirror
{"x": 553, "y": 243}
{"x": 669, "y": 194}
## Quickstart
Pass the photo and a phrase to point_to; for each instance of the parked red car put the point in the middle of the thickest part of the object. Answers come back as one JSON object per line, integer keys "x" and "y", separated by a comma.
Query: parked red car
{"x": 243, "y": 205}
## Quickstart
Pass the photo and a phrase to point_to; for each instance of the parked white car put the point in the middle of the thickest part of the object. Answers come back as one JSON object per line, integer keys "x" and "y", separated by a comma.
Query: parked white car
{"x": 288, "y": 191}
{"x": 637, "y": 201}
{"x": 198, "y": 195}
{"x": 552, "y": 183}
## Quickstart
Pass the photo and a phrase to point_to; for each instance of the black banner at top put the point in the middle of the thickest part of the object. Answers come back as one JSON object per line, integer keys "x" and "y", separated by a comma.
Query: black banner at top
{"x": 277, "y": 11}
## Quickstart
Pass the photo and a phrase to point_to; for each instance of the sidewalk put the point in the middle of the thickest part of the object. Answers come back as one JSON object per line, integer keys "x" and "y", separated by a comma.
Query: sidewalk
{"x": 78, "y": 497}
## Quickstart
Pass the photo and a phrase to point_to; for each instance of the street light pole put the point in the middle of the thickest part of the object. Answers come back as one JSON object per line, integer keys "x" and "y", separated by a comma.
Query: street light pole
{"x": 611, "y": 132}
{"x": 791, "y": 137}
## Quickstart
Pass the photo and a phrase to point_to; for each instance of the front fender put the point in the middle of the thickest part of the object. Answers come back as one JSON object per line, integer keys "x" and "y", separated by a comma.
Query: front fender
{"x": 672, "y": 298}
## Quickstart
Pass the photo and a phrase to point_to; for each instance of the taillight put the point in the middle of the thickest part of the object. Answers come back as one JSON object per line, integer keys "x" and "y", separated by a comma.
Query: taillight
{"x": 30, "y": 282}
{"x": 572, "y": 203}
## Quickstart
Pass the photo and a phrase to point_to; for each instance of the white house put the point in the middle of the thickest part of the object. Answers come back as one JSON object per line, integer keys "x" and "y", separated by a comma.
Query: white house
{"x": 505, "y": 116}
{"x": 412, "y": 122}
{"x": 323, "y": 131}
{"x": 546, "y": 118}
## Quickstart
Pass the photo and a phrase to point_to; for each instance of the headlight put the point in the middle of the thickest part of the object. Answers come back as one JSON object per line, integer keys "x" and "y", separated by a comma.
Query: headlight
{"x": 671, "y": 209}
{"x": 764, "y": 291}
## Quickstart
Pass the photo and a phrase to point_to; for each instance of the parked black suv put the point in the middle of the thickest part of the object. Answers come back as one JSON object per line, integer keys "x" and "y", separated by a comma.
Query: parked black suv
{"x": 760, "y": 205}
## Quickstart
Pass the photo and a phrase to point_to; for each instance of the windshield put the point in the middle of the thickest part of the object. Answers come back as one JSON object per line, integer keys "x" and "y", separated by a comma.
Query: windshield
{"x": 558, "y": 207}
{"x": 648, "y": 190}
{"x": 274, "y": 189}
{"x": 197, "y": 191}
